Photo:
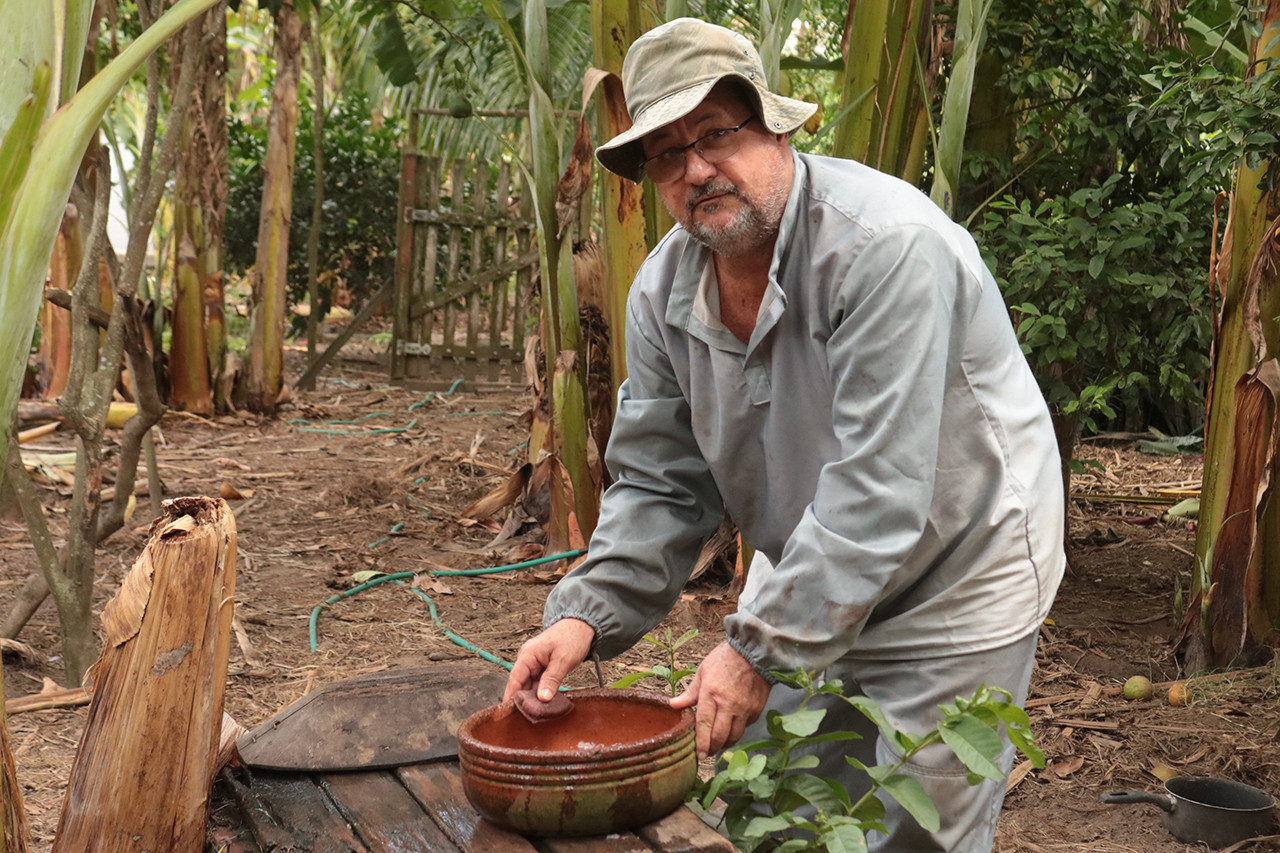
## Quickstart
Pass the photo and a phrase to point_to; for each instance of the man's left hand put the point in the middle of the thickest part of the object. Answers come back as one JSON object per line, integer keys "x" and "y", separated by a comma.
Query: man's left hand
{"x": 729, "y": 695}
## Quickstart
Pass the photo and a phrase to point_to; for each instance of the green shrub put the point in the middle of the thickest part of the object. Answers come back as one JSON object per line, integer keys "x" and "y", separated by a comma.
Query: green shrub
{"x": 358, "y": 224}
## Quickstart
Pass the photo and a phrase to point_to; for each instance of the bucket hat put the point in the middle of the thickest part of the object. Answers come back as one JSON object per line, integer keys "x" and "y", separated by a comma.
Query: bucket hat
{"x": 669, "y": 71}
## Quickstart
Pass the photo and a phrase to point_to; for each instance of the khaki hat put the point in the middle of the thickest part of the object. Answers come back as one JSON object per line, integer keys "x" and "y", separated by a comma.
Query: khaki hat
{"x": 669, "y": 71}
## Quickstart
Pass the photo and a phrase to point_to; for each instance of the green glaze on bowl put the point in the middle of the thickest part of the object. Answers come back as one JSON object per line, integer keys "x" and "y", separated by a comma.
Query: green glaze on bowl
{"x": 620, "y": 759}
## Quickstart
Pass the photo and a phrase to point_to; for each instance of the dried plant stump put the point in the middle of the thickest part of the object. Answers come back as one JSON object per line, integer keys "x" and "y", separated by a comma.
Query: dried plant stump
{"x": 146, "y": 760}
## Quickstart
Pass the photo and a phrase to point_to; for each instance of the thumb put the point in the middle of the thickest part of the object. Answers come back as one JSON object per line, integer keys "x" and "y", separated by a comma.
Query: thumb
{"x": 552, "y": 677}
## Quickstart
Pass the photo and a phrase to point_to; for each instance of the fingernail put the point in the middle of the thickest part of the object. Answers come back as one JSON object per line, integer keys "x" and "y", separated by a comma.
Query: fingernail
{"x": 545, "y": 694}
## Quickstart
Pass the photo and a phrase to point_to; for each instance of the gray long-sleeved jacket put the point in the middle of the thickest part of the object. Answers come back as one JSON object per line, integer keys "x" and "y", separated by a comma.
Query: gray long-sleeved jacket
{"x": 880, "y": 439}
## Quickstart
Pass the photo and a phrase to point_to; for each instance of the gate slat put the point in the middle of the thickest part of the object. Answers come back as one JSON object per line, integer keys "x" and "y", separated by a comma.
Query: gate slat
{"x": 498, "y": 304}
{"x": 479, "y": 201}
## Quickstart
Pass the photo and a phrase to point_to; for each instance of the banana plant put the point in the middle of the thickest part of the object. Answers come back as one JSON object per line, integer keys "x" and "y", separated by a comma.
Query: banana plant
{"x": 42, "y": 148}
{"x": 561, "y": 333}
{"x": 965, "y": 54}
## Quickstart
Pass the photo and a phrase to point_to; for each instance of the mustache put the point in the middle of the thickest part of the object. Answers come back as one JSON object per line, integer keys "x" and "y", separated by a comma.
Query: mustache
{"x": 696, "y": 194}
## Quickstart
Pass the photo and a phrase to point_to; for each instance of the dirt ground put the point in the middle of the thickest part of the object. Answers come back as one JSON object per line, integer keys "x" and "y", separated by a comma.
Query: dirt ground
{"x": 360, "y": 476}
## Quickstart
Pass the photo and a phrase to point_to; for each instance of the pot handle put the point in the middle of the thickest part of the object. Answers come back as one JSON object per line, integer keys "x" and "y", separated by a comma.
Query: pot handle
{"x": 1164, "y": 801}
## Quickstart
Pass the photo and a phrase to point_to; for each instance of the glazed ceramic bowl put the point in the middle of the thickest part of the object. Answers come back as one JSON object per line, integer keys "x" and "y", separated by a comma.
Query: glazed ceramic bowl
{"x": 620, "y": 759}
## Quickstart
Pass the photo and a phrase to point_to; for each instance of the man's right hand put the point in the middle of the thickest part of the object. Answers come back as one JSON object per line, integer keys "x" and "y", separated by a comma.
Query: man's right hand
{"x": 547, "y": 659}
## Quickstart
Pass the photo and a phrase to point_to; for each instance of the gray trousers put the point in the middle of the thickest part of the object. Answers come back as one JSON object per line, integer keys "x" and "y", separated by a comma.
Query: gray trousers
{"x": 909, "y": 693}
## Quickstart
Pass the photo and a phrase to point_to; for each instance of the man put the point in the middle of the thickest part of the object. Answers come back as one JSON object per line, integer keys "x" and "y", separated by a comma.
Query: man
{"x": 822, "y": 352}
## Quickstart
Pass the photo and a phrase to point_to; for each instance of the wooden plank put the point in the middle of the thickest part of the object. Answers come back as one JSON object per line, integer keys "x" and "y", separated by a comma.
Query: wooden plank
{"x": 498, "y": 297}
{"x": 480, "y": 200}
{"x": 461, "y": 288}
{"x": 621, "y": 842}
{"x": 438, "y": 788}
{"x": 286, "y": 811}
{"x": 403, "y": 277}
{"x": 682, "y": 831}
{"x": 357, "y": 723}
{"x": 458, "y": 196}
{"x": 427, "y": 269}
{"x": 389, "y": 819}
{"x": 362, "y": 316}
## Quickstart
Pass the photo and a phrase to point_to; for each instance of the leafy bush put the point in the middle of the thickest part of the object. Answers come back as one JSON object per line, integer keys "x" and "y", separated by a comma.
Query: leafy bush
{"x": 358, "y": 224}
{"x": 1106, "y": 158}
{"x": 1108, "y": 300}
{"x": 808, "y": 812}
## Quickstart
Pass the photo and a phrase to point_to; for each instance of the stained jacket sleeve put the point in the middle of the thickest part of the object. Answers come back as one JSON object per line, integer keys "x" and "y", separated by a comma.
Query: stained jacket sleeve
{"x": 661, "y": 508}
{"x": 897, "y": 322}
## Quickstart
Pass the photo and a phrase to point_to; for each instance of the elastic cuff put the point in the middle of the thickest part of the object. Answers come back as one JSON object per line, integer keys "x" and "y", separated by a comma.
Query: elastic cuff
{"x": 752, "y": 658}
{"x": 581, "y": 617}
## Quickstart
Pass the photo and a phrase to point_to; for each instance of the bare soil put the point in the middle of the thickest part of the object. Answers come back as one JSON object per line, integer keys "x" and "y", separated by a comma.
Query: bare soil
{"x": 360, "y": 476}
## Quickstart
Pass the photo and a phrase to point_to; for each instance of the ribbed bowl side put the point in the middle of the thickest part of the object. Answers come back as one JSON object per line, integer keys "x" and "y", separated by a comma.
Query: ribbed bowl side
{"x": 621, "y": 759}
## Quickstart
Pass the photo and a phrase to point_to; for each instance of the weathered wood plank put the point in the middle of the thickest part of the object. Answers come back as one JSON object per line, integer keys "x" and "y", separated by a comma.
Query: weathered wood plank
{"x": 498, "y": 300}
{"x": 427, "y": 263}
{"x": 425, "y": 304}
{"x": 307, "y": 379}
{"x": 683, "y": 832}
{"x": 621, "y": 842}
{"x": 404, "y": 267}
{"x": 458, "y": 197}
{"x": 388, "y": 817}
{"x": 285, "y": 811}
{"x": 480, "y": 202}
{"x": 439, "y": 790}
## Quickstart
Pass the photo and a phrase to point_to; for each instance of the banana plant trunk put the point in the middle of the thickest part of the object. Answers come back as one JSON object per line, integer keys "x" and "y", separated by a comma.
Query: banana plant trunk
{"x": 200, "y": 188}
{"x": 55, "y": 323}
{"x": 622, "y": 219}
{"x": 1234, "y": 613}
{"x": 271, "y": 270}
{"x": 881, "y": 96}
{"x": 13, "y": 818}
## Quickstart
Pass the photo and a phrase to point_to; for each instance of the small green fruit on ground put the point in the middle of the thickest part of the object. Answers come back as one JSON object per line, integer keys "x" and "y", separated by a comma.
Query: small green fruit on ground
{"x": 1138, "y": 687}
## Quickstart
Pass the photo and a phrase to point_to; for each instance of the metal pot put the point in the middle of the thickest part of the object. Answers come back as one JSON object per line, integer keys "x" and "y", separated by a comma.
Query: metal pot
{"x": 1207, "y": 810}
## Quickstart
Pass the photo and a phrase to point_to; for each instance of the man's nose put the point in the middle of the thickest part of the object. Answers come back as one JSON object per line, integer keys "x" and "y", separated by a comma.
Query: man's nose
{"x": 697, "y": 170}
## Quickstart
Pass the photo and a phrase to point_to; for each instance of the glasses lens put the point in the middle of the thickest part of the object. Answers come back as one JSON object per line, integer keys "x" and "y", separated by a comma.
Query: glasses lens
{"x": 665, "y": 167}
{"x": 719, "y": 145}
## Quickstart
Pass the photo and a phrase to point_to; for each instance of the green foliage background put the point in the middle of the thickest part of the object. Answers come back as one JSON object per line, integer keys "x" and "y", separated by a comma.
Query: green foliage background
{"x": 362, "y": 175}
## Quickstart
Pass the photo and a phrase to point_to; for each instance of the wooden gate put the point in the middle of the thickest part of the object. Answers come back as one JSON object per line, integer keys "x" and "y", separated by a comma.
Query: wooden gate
{"x": 465, "y": 259}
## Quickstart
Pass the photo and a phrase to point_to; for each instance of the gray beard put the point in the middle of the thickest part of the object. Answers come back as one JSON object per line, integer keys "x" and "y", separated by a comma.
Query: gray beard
{"x": 755, "y": 225}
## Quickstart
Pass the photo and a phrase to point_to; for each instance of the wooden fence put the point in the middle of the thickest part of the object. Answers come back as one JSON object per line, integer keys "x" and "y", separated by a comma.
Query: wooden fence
{"x": 466, "y": 255}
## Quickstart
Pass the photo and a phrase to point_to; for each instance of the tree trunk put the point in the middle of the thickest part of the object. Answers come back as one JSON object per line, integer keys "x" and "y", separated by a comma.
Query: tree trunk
{"x": 881, "y": 89}
{"x": 317, "y": 203}
{"x": 147, "y": 756}
{"x": 270, "y": 273}
{"x": 1235, "y": 606}
{"x": 200, "y": 184}
{"x": 622, "y": 220}
{"x": 55, "y": 323}
{"x": 13, "y": 834}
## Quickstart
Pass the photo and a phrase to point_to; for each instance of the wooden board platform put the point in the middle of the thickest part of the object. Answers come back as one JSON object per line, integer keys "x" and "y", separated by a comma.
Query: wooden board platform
{"x": 339, "y": 771}
{"x": 414, "y": 809}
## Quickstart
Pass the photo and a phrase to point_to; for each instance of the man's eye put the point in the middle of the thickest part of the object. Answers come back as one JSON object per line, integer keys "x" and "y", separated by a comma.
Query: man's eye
{"x": 717, "y": 134}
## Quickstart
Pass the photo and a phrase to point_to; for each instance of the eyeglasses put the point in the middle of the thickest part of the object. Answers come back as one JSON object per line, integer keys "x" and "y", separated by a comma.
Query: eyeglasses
{"x": 714, "y": 146}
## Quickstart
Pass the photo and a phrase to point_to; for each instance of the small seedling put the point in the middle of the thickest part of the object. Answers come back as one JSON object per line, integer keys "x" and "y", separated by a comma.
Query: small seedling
{"x": 669, "y": 672}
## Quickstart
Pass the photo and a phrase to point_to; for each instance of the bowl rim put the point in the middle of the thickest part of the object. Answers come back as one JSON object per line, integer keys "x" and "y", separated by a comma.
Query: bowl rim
{"x": 469, "y": 743}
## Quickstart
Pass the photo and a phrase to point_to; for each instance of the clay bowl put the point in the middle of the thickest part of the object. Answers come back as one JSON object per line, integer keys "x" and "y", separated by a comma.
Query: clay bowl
{"x": 621, "y": 759}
